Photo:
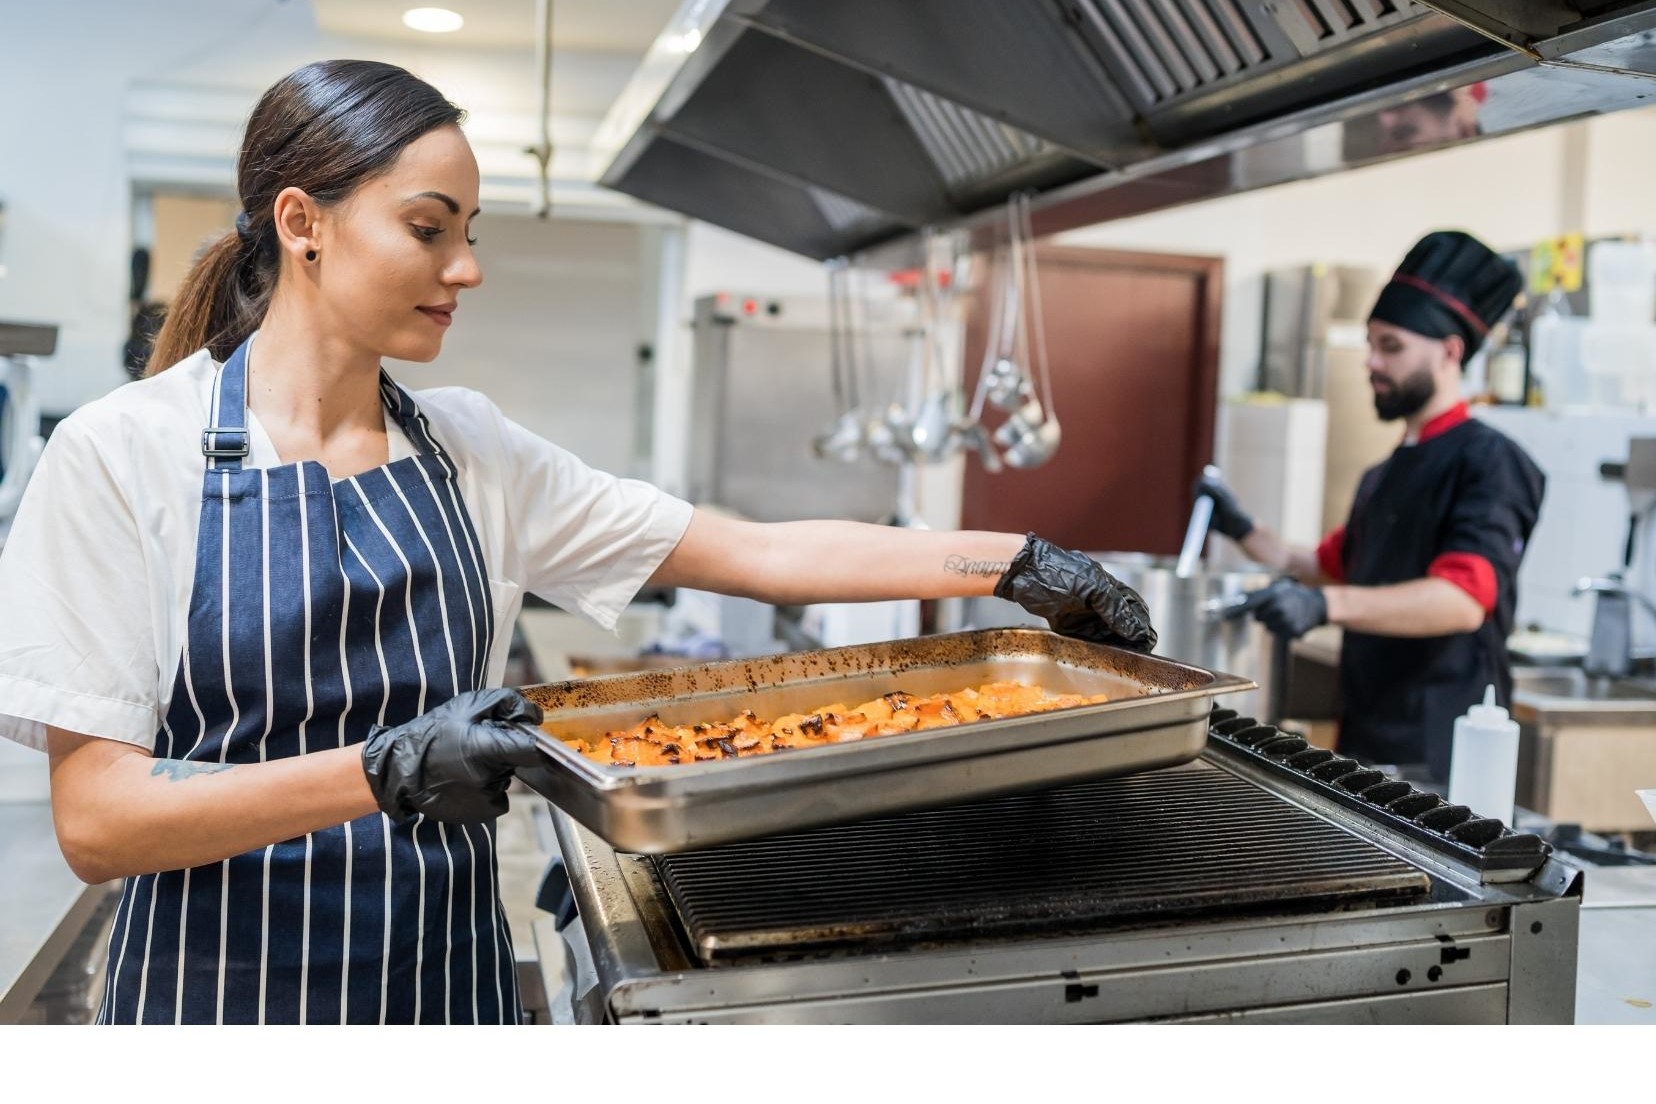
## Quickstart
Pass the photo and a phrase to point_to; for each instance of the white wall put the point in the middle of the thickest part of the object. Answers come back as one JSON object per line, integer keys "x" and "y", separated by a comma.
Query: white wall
{"x": 1619, "y": 161}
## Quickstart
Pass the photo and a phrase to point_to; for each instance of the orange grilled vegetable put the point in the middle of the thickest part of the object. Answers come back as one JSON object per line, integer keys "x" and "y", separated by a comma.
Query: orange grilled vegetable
{"x": 654, "y": 743}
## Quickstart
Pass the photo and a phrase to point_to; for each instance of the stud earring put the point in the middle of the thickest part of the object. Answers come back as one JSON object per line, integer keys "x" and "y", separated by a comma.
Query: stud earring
{"x": 310, "y": 254}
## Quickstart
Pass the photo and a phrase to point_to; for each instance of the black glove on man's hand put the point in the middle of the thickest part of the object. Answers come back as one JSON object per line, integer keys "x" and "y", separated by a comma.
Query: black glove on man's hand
{"x": 1076, "y": 596}
{"x": 1288, "y": 608}
{"x": 453, "y": 763}
{"x": 1229, "y": 518}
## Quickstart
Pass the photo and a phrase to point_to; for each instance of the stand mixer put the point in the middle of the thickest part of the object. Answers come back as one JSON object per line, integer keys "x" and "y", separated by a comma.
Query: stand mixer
{"x": 1622, "y": 596}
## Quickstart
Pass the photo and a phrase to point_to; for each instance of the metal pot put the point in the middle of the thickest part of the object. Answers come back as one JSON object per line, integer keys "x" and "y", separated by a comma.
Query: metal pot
{"x": 1187, "y": 614}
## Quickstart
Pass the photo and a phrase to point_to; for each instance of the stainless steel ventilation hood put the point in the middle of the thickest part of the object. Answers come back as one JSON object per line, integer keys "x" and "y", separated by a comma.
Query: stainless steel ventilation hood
{"x": 832, "y": 127}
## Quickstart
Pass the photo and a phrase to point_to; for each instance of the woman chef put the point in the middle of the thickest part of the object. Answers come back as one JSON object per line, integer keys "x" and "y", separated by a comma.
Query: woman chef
{"x": 255, "y": 603}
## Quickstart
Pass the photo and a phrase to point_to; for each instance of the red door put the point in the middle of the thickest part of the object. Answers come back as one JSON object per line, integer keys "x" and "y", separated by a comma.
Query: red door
{"x": 1134, "y": 343}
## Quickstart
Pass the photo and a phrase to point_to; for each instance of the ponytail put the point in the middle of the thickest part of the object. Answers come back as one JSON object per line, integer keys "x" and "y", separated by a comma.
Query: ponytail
{"x": 222, "y": 300}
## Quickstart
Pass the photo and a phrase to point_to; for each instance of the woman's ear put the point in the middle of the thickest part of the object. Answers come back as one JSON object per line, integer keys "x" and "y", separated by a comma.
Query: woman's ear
{"x": 296, "y": 214}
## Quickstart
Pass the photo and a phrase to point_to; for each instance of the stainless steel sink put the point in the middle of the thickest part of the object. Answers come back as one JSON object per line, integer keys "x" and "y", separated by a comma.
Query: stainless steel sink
{"x": 1570, "y": 689}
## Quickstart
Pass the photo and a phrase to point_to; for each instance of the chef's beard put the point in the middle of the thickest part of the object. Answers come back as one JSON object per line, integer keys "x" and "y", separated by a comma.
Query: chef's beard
{"x": 1408, "y": 396}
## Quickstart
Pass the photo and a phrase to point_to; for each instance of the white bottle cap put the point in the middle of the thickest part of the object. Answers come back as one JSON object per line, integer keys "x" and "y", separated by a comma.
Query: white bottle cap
{"x": 1487, "y": 713}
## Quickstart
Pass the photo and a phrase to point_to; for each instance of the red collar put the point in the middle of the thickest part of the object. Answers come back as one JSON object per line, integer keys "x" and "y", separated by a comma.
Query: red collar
{"x": 1443, "y": 423}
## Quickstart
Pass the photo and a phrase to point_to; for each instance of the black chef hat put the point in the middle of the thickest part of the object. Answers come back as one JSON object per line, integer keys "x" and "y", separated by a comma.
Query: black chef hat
{"x": 1450, "y": 283}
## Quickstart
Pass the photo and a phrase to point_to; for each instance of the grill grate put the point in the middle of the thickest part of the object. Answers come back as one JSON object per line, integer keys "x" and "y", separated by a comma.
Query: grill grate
{"x": 1184, "y": 841}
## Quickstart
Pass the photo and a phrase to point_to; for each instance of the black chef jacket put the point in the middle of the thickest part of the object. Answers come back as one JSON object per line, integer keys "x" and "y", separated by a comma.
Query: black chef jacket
{"x": 1460, "y": 504}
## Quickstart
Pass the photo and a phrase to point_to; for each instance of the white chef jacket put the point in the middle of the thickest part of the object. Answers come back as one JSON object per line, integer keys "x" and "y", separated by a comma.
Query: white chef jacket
{"x": 96, "y": 574}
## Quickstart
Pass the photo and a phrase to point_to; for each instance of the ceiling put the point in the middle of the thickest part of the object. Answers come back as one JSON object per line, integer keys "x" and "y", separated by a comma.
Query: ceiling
{"x": 622, "y": 26}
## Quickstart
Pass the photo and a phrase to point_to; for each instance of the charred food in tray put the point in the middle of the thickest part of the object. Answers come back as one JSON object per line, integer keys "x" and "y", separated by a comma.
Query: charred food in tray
{"x": 654, "y": 743}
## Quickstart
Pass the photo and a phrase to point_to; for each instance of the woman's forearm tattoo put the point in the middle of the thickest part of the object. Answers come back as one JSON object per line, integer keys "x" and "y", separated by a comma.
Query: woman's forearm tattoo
{"x": 960, "y": 565}
{"x": 180, "y": 769}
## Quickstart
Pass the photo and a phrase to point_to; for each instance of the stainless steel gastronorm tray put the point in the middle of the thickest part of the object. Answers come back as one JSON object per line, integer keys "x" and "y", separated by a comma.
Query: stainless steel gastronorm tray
{"x": 1157, "y": 717}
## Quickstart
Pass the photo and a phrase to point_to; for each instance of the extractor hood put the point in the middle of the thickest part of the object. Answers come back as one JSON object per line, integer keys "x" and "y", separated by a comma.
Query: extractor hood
{"x": 835, "y": 127}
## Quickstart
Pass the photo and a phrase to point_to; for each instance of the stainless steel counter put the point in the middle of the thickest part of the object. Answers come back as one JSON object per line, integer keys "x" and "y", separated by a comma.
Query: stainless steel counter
{"x": 43, "y": 906}
{"x": 1568, "y": 695}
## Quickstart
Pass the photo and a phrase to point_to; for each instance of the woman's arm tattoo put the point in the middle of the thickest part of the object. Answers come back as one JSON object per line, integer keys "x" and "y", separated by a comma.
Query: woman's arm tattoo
{"x": 960, "y": 565}
{"x": 180, "y": 769}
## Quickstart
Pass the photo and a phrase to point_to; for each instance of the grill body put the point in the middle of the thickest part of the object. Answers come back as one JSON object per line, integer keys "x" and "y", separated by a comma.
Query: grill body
{"x": 1216, "y": 890}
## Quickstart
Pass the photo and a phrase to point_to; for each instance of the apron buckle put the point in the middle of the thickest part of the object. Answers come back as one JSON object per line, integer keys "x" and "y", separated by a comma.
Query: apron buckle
{"x": 219, "y": 443}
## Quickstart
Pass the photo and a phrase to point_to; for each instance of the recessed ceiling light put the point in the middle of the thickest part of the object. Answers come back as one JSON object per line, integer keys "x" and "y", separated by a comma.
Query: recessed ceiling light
{"x": 435, "y": 20}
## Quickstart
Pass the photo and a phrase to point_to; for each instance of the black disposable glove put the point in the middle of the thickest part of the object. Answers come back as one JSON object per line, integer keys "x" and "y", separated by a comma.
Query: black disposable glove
{"x": 1229, "y": 518}
{"x": 1287, "y": 608}
{"x": 453, "y": 763}
{"x": 1076, "y": 596}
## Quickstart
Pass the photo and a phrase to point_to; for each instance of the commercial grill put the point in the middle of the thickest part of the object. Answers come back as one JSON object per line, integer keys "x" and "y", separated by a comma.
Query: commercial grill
{"x": 1266, "y": 881}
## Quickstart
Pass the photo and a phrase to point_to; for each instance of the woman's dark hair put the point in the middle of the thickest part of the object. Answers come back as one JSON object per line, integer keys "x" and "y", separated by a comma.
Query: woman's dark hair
{"x": 325, "y": 128}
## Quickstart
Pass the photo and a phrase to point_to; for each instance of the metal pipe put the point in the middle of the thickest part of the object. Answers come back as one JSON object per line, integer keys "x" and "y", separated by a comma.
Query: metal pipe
{"x": 542, "y": 153}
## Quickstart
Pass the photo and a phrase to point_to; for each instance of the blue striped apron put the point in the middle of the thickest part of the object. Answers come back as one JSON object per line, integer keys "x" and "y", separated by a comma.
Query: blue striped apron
{"x": 320, "y": 608}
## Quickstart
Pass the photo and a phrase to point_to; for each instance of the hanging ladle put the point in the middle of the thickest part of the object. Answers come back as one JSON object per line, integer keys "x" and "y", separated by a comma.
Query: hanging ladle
{"x": 843, "y": 439}
{"x": 1032, "y": 434}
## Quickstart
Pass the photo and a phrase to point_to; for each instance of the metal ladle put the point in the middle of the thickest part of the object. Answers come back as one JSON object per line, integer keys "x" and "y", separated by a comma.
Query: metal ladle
{"x": 1032, "y": 434}
{"x": 1002, "y": 377}
{"x": 976, "y": 439}
{"x": 933, "y": 434}
{"x": 844, "y": 439}
{"x": 1029, "y": 437}
{"x": 887, "y": 433}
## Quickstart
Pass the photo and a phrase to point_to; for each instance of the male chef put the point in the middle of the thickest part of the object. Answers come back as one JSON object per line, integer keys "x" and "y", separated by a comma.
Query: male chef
{"x": 1423, "y": 576}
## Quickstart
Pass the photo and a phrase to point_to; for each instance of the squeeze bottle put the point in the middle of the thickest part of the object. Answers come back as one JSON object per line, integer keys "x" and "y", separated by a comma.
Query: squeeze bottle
{"x": 1483, "y": 763}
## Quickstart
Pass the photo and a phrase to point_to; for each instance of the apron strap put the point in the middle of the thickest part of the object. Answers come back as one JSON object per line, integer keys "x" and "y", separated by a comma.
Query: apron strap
{"x": 225, "y": 440}
{"x": 403, "y": 407}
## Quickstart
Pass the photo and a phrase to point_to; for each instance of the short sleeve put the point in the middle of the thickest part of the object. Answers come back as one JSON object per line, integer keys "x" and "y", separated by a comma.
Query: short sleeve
{"x": 588, "y": 540}
{"x": 1497, "y": 500}
{"x": 77, "y": 639}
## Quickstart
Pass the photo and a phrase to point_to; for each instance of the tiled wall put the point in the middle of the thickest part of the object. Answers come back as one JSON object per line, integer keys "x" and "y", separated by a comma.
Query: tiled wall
{"x": 1583, "y": 524}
